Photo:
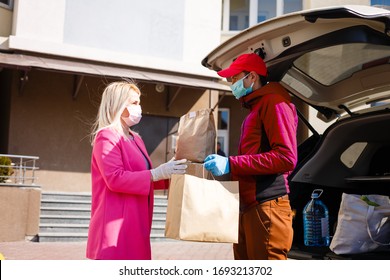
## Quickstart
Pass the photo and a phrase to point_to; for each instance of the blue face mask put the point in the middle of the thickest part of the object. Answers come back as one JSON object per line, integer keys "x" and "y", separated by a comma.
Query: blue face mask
{"x": 239, "y": 90}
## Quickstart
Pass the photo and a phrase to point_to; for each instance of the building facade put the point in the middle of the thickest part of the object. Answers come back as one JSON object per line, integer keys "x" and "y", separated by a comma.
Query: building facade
{"x": 57, "y": 56}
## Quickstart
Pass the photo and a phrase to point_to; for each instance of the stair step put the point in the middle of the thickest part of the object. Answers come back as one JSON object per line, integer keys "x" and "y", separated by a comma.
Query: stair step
{"x": 158, "y": 223}
{"x": 62, "y": 237}
{"x": 64, "y": 219}
{"x": 160, "y": 207}
{"x": 65, "y": 200}
{"x": 159, "y": 216}
{"x": 67, "y": 195}
{"x": 160, "y": 232}
{"x": 65, "y": 211}
{"x": 64, "y": 203}
{"x": 70, "y": 228}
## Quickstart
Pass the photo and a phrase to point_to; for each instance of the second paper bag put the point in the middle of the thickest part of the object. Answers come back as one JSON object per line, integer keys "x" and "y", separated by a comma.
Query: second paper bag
{"x": 196, "y": 136}
{"x": 202, "y": 210}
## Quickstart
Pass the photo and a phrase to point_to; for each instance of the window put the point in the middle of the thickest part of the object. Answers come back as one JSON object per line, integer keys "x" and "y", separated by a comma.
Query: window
{"x": 241, "y": 14}
{"x": 223, "y": 119}
{"x": 265, "y": 10}
{"x": 6, "y": 3}
{"x": 333, "y": 64}
{"x": 223, "y": 129}
{"x": 380, "y": 3}
{"x": 292, "y": 6}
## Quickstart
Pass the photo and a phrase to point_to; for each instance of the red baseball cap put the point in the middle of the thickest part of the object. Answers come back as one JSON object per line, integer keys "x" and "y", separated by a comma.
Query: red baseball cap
{"x": 245, "y": 62}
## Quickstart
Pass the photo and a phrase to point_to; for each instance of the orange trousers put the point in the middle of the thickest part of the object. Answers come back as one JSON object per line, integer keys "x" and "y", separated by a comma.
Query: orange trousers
{"x": 265, "y": 231}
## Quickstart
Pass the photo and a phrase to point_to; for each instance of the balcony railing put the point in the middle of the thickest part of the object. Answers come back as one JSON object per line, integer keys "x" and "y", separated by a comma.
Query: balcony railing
{"x": 20, "y": 171}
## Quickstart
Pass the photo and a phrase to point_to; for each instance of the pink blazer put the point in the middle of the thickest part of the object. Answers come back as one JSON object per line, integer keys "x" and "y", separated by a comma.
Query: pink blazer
{"x": 122, "y": 198}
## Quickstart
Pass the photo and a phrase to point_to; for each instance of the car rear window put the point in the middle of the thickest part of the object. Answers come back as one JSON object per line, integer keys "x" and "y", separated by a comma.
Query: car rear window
{"x": 333, "y": 64}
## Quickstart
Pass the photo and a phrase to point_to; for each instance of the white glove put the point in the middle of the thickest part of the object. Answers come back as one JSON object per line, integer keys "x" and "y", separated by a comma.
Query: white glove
{"x": 165, "y": 170}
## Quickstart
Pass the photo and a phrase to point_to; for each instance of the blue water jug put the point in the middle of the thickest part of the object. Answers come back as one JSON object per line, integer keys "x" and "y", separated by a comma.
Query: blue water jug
{"x": 316, "y": 221}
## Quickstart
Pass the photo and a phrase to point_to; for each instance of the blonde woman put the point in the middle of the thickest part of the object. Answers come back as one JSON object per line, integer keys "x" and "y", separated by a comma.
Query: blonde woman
{"x": 123, "y": 179}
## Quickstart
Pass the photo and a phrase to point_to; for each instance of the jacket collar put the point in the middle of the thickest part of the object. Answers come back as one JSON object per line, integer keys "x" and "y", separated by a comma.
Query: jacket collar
{"x": 249, "y": 100}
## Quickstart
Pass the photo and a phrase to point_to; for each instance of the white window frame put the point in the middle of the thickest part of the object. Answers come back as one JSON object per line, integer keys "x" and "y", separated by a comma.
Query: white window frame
{"x": 253, "y": 7}
{"x": 224, "y": 133}
{"x": 9, "y": 6}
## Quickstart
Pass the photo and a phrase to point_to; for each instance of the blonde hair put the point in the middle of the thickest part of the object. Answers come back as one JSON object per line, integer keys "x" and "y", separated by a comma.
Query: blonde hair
{"x": 114, "y": 101}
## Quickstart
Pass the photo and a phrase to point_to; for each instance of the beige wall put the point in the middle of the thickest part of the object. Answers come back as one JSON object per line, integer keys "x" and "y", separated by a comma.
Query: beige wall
{"x": 19, "y": 213}
{"x": 46, "y": 121}
{"x": 5, "y": 27}
{"x": 5, "y": 22}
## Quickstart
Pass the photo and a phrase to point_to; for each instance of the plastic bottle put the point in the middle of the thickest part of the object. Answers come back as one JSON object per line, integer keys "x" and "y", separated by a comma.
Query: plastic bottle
{"x": 316, "y": 221}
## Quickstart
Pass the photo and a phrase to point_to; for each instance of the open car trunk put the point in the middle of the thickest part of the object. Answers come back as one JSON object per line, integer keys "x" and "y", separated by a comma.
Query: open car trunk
{"x": 352, "y": 156}
{"x": 337, "y": 61}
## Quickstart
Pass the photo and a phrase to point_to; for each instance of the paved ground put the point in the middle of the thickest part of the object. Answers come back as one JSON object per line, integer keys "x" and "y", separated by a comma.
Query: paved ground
{"x": 165, "y": 250}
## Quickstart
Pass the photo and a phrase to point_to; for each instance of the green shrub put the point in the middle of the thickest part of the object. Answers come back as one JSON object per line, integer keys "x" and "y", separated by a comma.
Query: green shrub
{"x": 5, "y": 169}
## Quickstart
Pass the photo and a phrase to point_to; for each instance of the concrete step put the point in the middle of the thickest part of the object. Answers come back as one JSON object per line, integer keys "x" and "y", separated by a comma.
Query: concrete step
{"x": 64, "y": 219}
{"x": 64, "y": 203}
{"x": 64, "y": 228}
{"x": 63, "y": 211}
{"x": 159, "y": 230}
{"x": 67, "y": 196}
{"x": 158, "y": 222}
{"x": 159, "y": 215}
{"x": 62, "y": 237}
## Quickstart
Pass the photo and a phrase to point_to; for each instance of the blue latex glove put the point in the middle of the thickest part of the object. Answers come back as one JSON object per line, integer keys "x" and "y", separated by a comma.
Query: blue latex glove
{"x": 217, "y": 165}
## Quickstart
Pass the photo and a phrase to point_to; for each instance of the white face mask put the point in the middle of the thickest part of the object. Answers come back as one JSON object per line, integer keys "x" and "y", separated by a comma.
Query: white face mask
{"x": 135, "y": 115}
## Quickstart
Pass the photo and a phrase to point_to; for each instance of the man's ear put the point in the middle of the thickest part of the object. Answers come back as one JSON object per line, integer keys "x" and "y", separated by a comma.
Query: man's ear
{"x": 255, "y": 77}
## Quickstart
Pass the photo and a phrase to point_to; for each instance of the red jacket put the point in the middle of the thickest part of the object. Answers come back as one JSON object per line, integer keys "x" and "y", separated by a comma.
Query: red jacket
{"x": 267, "y": 151}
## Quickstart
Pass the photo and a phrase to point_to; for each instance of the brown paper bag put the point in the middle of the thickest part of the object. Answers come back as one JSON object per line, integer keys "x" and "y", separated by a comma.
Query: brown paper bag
{"x": 202, "y": 210}
{"x": 197, "y": 169}
{"x": 196, "y": 136}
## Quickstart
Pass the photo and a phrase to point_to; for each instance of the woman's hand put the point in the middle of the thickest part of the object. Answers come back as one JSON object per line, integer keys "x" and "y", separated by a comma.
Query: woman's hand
{"x": 165, "y": 170}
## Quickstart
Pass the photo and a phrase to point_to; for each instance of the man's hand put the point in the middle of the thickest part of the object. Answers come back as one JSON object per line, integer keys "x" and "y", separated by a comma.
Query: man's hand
{"x": 217, "y": 165}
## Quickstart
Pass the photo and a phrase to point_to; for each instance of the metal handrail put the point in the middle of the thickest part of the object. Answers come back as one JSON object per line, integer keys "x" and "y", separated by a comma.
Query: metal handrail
{"x": 22, "y": 170}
